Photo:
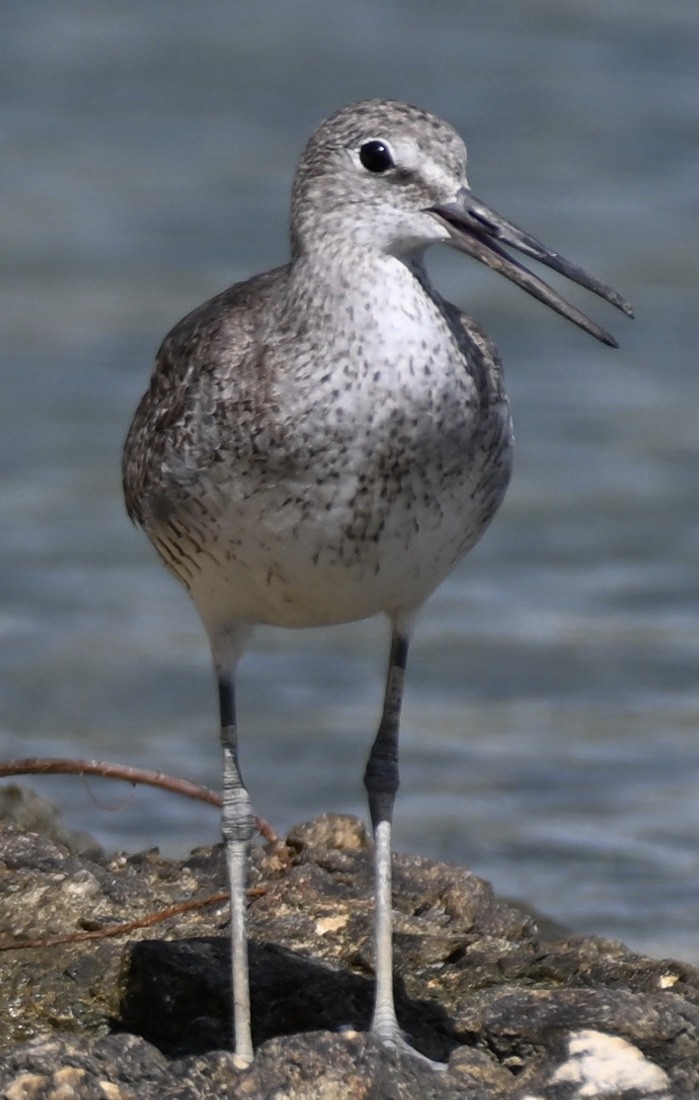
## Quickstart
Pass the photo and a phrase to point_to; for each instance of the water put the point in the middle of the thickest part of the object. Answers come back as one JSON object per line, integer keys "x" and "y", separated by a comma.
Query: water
{"x": 550, "y": 736}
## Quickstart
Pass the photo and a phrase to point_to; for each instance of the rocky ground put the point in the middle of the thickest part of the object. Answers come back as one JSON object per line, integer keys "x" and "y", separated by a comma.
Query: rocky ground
{"x": 515, "y": 1007}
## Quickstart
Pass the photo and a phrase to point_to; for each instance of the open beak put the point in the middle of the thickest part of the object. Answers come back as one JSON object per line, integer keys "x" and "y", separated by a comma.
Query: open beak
{"x": 479, "y": 231}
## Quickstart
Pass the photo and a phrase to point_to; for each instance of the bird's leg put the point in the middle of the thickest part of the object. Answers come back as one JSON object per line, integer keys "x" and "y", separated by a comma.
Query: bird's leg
{"x": 237, "y": 825}
{"x": 381, "y": 782}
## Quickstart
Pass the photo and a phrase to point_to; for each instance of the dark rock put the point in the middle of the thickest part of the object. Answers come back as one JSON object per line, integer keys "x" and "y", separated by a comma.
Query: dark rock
{"x": 516, "y": 1011}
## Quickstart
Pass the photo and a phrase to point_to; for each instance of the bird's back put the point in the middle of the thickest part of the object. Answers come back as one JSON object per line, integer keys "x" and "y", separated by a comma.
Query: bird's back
{"x": 176, "y": 426}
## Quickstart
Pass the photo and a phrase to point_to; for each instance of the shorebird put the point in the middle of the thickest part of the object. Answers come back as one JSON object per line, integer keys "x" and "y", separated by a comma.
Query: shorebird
{"x": 323, "y": 442}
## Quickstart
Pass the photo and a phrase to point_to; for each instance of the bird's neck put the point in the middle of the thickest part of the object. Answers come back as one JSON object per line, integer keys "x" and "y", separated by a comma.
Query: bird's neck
{"x": 332, "y": 272}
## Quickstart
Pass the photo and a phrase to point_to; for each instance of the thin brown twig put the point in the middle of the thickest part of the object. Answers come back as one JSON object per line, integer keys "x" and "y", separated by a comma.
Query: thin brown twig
{"x": 56, "y": 765}
{"x": 116, "y": 929}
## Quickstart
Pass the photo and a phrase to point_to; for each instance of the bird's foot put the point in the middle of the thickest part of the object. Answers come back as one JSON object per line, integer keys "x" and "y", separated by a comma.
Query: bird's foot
{"x": 393, "y": 1038}
{"x": 242, "y": 1061}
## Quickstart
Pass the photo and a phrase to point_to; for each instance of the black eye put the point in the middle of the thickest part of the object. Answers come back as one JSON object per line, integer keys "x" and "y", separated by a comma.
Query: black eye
{"x": 376, "y": 156}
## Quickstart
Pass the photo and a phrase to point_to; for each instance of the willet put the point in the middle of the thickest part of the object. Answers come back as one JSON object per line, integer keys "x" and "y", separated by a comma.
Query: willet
{"x": 323, "y": 442}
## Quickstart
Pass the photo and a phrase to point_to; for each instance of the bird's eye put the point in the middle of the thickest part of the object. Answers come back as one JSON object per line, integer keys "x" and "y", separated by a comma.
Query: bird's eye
{"x": 376, "y": 156}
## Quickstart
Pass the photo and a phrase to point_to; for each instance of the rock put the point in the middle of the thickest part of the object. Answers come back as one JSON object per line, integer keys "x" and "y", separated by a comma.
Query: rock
{"x": 517, "y": 1011}
{"x": 23, "y": 807}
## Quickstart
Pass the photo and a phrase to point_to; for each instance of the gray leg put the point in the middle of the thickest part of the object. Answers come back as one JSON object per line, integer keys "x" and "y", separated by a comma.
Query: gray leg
{"x": 238, "y": 826}
{"x": 381, "y": 782}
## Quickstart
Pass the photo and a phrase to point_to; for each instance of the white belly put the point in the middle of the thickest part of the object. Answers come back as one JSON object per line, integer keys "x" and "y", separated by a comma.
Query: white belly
{"x": 338, "y": 549}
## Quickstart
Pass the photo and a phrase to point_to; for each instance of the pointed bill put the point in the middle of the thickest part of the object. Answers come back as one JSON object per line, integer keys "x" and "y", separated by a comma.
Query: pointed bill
{"x": 481, "y": 232}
